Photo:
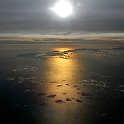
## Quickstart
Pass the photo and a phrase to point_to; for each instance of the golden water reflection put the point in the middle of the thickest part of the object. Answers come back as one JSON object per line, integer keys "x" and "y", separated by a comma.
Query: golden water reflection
{"x": 62, "y": 76}
{"x": 62, "y": 49}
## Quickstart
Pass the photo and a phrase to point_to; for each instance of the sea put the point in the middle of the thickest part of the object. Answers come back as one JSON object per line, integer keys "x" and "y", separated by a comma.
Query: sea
{"x": 62, "y": 82}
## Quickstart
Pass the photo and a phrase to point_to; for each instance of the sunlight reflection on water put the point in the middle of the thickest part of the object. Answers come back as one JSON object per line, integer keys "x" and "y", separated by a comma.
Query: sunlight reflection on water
{"x": 62, "y": 88}
{"x": 61, "y": 84}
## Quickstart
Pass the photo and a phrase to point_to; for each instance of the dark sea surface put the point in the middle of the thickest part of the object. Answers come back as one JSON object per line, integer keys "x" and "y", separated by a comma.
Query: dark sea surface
{"x": 62, "y": 83}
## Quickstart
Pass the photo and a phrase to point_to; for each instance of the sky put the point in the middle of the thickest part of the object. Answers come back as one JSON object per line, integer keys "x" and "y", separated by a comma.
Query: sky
{"x": 35, "y": 16}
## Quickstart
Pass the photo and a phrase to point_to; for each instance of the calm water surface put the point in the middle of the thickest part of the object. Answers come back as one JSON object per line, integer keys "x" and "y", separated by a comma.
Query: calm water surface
{"x": 62, "y": 83}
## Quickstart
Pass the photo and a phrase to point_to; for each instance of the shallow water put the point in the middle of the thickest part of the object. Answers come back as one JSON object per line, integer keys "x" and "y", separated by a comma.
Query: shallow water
{"x": 61, "y": 83}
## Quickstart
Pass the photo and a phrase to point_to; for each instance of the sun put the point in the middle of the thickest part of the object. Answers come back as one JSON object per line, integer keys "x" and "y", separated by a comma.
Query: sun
{"x": 63, "y": 8}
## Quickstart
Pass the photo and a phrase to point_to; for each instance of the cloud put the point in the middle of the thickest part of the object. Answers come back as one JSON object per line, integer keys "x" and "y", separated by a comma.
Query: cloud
{"x": 34, "y": 16}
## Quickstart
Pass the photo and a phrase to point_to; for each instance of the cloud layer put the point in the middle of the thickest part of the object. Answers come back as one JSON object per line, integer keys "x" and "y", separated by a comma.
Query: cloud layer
{"x": 35, "y": 16}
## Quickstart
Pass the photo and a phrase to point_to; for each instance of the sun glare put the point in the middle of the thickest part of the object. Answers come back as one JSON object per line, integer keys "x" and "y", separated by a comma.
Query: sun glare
{"x": 63, "y": 8}
{"x": 63, "y": 49}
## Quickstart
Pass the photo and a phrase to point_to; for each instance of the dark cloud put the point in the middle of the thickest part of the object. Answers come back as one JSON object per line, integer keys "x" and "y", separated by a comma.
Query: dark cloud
{"x": 35, "y": 16}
